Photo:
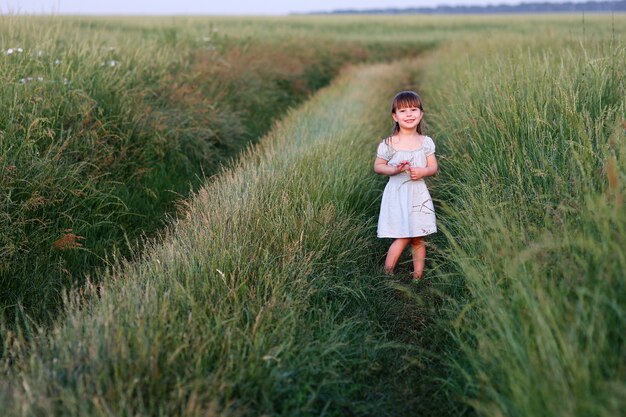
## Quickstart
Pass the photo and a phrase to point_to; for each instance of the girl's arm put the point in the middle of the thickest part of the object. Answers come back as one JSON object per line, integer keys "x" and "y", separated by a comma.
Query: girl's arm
{"x": 431, "y": 168}
{"x": 382, "y": 167}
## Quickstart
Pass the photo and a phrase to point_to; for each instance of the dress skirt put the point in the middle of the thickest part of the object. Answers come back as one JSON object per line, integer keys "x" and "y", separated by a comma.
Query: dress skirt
{"x": 406, "y": 209}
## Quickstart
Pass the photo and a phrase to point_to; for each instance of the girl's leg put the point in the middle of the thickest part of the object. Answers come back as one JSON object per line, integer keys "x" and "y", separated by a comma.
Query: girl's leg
{"x": 395, "y": 250}
{"x": 419, "y": 256}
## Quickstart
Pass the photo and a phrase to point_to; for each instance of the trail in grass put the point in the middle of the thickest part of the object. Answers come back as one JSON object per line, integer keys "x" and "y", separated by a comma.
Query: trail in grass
{"x": 265, "y": 297}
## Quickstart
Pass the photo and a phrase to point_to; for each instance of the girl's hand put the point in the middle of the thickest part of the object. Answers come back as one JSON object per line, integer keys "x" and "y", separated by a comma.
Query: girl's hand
{"x": 403, "y": 166}
{"x": 416, "y": 173}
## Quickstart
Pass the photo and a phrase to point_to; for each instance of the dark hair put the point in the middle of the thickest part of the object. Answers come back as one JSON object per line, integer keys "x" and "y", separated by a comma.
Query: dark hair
{"x": 407, "y": 99}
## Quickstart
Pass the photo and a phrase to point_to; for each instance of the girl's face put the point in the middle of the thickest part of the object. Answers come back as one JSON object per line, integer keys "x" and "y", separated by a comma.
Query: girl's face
{"x": 407, "y": 117}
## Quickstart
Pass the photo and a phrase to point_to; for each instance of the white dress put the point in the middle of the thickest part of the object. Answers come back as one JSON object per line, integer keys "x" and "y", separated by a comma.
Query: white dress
{"x": 406, "y": 209}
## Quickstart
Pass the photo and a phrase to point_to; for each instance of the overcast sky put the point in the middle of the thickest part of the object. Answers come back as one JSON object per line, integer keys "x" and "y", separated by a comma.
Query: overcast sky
{"x": 221, "y": 7}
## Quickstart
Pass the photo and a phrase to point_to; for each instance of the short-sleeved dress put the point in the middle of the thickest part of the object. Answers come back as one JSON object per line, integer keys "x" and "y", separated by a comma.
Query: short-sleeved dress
{"x": 406, "y": 209}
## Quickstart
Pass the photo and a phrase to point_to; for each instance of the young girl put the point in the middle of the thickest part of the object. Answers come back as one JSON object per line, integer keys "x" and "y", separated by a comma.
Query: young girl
{"x": 407, "y": 213}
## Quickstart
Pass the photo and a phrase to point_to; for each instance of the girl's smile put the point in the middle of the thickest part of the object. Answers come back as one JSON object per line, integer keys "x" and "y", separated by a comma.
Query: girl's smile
{"x": 408, "y": 117}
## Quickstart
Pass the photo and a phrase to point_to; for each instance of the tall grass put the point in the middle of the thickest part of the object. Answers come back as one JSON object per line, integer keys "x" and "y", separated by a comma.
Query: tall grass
{"x": 533, "y": 181}
{"x": 105, "y": 123}
{"x": 263, "y": 298}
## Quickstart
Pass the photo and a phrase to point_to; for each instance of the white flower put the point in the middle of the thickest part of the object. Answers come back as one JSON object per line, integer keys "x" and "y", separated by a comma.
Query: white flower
{"x": 57, "y": 61}
{"x": 29, "y": 79}
{"x": 12, "y": 51}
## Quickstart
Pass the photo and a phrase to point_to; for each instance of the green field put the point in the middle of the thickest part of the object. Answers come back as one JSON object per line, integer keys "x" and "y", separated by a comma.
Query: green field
{"x": 188, "y": 217}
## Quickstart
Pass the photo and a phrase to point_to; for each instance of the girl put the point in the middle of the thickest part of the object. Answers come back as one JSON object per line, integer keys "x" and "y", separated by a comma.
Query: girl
{"x": 407, "y": 213}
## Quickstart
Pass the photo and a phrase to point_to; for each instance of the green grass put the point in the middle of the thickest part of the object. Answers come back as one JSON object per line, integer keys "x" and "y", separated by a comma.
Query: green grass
{"x": 106, "y": 123}
{"x": 265, "y": 295}
{"x": 263, "y": 298}
{"x": 532, "y": 189}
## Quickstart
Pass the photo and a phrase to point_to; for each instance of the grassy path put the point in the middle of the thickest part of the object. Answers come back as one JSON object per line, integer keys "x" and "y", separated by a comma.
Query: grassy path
{"x": 264, "y": 298}
{"x": 106, "y": 123}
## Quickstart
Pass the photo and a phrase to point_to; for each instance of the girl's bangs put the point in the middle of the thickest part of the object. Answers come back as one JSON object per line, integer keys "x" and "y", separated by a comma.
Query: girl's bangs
{"x": 407, "y": 99}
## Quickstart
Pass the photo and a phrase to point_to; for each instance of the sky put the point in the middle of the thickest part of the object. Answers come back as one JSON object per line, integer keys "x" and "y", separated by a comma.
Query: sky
{"x": 221, "y": 7}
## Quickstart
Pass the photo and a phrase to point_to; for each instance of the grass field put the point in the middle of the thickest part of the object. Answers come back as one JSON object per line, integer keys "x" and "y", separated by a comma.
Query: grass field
{"x": 265, "y": 294}
{"x": 533, "y": 184}
{"x": 106, "y": 123}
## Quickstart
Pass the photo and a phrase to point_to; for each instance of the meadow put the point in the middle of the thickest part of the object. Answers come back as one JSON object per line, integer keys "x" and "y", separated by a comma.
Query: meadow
{"x": 189, "y": 208}
{"x": 107, "y": 123}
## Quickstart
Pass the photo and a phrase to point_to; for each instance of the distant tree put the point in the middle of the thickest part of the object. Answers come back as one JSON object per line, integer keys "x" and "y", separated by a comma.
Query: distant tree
{"x": 545, "y": 7}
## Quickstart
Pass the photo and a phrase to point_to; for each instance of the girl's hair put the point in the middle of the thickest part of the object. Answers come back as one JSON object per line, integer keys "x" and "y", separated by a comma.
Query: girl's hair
{"x": 407, "y": 99}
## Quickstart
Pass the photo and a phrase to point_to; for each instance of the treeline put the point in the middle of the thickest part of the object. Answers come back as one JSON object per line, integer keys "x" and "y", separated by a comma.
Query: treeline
{"x": 545, "y": 7}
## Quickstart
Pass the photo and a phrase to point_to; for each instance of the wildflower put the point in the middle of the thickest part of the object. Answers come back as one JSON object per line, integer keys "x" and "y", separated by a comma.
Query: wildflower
{"x": 57, "y": 61}
{"x": 29, "y": 79}
{"x": 12, "y": 51}
{"x": 111, "y": 63}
